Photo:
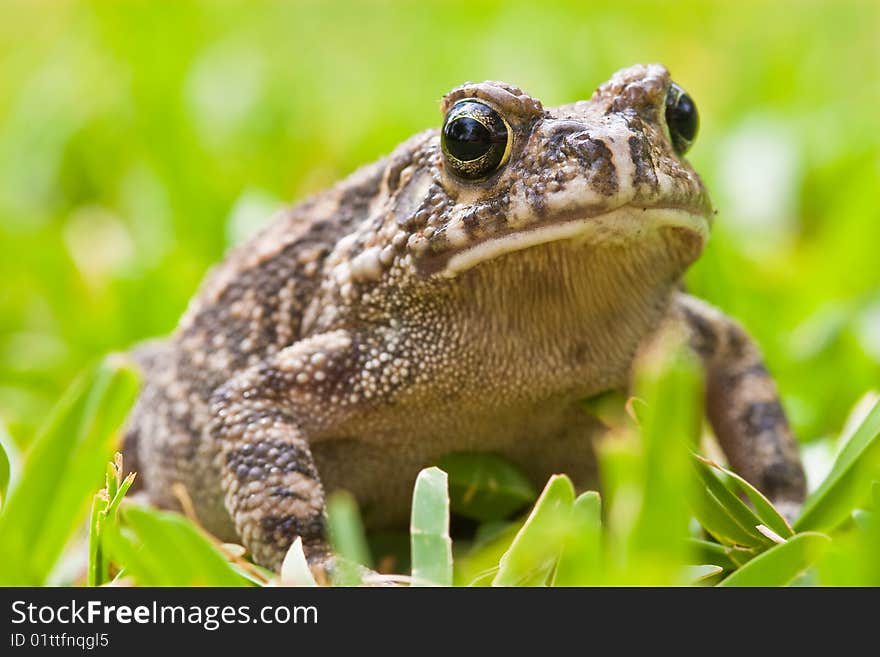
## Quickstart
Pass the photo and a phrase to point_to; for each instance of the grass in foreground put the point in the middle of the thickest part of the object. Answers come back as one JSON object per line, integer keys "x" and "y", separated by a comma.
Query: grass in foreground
{"x": 667, "y": 516}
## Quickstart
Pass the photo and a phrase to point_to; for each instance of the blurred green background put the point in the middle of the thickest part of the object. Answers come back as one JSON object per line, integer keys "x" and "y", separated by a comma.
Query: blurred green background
{"x": 139, "y": 140}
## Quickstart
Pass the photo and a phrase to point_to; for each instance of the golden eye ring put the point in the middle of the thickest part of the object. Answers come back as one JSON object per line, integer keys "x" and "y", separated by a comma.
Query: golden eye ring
{"x": 475, "y": 139}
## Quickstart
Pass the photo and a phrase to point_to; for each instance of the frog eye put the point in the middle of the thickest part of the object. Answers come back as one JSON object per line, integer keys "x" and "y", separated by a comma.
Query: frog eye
{"x": 682, "y": 118}
{"x": 475, "y": 139}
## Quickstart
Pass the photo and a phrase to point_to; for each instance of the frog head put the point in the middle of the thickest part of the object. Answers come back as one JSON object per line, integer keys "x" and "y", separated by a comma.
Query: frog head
{"x": 584, "y": 210}
{"x": 608, "y": 170}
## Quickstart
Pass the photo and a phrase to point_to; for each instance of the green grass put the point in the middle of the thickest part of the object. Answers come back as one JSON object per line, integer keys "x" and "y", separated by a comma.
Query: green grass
{"x": 58, "y": 475}
{"x": 644, "y": 531}
{"x": 430, "y": 544}
{"x": 127, "y": 169}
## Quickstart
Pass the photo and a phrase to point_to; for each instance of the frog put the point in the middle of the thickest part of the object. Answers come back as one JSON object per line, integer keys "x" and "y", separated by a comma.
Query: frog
{"x": 464, "y": 293}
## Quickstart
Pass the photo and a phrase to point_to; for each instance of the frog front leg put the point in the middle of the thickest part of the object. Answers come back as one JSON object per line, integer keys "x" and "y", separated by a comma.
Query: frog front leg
{"x": 743, "y": 405}
{"x": 261, "y": 423}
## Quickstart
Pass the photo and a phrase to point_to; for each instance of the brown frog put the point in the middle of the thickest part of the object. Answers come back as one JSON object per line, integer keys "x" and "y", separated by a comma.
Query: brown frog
{"x": 462, "y": 294}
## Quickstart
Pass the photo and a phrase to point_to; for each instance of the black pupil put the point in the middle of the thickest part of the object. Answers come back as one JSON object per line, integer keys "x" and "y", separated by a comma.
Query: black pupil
{"x": 684, "y": 118}
{"x": 467, "y": 139}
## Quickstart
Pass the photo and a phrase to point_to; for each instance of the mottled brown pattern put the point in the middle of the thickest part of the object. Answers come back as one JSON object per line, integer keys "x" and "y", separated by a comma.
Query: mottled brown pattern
{"x": 743, "y": 405}
{"x": 406, "y": 313}
{"x": 642, "y": 163}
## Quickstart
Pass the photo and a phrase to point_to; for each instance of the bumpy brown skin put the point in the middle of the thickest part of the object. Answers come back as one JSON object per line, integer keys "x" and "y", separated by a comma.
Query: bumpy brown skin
{"x": 407, "y": 313}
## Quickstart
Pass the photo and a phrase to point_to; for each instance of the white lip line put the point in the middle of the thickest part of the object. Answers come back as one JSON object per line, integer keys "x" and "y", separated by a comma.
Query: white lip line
{"x": 580, "y": 228}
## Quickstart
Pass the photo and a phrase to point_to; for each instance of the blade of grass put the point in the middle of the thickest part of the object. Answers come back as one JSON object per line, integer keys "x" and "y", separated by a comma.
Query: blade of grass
{"x": 580, "y": 563}
{"x": 431, "y": 547}
{"x": 105, "y": 414}
{"x": 120, "y": 493}
{"x": 347, "y": 538}
{"x": 620, "y": 467}
{"x": 536, "y": 547}
{"x": 709, "y": 552}
{"x": 715, "y": 519}
{"x": 764, "y": 510}
{"x": 112, "y": 479}
{"x": 104, "y": 512}
{"x": 185, "y": 557}
{"x": 848, "y": 482}
{"x": 782, "y": 564}
{"x": 96, "y": 570}
{"x": 669, "y": 381}
{"x": 731, "y": 505}
{"x": 700, "y": 573}
{"x": 142, "y": 565}
{"x": 63, "y": 465}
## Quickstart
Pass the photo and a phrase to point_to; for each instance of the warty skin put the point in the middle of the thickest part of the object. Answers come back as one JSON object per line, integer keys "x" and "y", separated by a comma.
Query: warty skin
{"x": 409, "y": 312}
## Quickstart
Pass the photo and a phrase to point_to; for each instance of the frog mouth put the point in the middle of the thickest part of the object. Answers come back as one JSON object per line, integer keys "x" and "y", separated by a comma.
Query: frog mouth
{"x": 621, "y": 226}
